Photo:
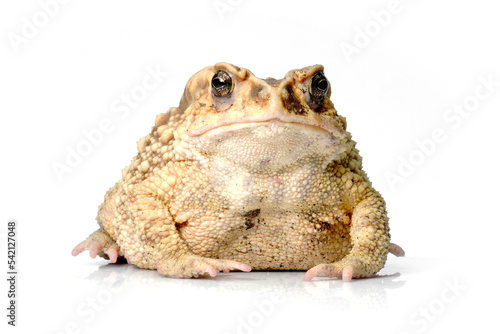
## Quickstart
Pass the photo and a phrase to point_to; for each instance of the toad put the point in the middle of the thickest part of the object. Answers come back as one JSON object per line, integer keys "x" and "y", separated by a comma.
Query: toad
{"x": 246, "y": 173}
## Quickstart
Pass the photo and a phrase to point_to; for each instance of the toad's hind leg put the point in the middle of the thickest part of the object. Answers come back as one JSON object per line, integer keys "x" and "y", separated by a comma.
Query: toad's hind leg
{"x": 100, "y": 243}
{"x": 152, "y": 240}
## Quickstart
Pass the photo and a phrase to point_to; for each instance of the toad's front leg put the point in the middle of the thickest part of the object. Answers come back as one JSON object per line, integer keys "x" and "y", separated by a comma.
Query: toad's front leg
{"x": 370, "y": 243}
{"x": 151, "y": 238}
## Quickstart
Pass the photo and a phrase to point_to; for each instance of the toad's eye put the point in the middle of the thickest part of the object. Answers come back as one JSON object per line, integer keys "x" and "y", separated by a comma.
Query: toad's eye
{"x": 319, "y": 86}
{"x": 222, "y": 84}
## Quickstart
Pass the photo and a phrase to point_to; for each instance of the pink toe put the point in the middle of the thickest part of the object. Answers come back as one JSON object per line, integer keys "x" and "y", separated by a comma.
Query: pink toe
{"x": 113, "y": 255}
{"x": 77, "y": 250}
{"x": 244, "y": 267}
{"x": 396, "y": 250}
{"x": 347, "y": 273}
{"x": 310, "y": 274}
{"x": 94, "y": 248}
{"x": 212, "y": 272}
{"x": 93, "y": 252}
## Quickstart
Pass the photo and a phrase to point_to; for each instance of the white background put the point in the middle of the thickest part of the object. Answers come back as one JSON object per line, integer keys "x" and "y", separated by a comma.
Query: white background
{"x": 70, "y": 73}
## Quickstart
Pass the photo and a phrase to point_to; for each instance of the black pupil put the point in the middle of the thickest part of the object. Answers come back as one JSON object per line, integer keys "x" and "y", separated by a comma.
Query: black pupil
{"x": 322, "y": 84}
{"x": 218, "y": 82}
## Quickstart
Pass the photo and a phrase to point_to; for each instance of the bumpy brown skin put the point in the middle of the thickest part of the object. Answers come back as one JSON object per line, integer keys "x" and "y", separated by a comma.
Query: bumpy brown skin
{"x": 266, "y": 177}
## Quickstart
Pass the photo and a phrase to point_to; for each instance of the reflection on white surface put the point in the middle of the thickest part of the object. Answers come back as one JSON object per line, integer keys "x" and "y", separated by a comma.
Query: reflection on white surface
{"x": 329, "y": 292}
{"x": 406, "y": 297}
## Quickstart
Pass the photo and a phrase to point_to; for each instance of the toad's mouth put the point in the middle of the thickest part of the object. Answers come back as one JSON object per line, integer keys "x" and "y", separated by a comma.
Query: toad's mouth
{"x": 268, "y": 144}
{"x": 232, "y": 124}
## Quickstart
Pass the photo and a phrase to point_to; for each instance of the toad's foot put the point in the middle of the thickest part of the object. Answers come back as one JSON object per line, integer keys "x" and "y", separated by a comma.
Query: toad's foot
{"x": 194, "y": 266}
{"x": 100, "y": 243}
{"x": 345, "y": 269}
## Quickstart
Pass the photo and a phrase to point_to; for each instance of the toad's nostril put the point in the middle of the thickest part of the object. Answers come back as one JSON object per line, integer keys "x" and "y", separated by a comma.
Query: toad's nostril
{"x": 257, "y": 92}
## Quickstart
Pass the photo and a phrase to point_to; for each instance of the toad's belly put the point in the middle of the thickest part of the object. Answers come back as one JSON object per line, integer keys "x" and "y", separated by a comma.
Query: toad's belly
{"x": 270, "y": 240}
